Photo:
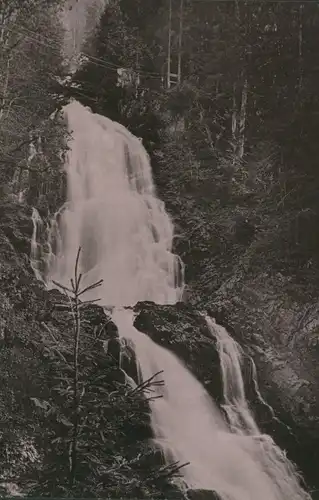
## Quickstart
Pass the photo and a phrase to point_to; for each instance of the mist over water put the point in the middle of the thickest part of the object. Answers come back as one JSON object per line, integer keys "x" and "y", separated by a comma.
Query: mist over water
{"x": 126, "y": 237}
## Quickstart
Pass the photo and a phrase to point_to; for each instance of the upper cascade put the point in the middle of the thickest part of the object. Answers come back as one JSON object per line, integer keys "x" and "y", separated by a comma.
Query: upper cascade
{"x": 110, "y": 186}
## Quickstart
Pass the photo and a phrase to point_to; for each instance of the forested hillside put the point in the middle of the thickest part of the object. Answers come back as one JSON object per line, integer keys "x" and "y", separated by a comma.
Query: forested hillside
{"x": 31, "y": 135}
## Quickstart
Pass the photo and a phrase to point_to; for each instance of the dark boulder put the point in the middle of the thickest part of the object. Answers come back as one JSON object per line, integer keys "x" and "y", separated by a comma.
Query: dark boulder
{"x": 184, "y": 332}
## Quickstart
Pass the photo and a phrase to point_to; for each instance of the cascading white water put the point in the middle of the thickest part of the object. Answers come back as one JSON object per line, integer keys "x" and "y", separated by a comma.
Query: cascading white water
{"x": 240, "y": 416}
{"x": 36, "y": 248}
{"x": 236, "y": 406}
{"x": 114, "y": 215}
{"x": 126, "y": 239}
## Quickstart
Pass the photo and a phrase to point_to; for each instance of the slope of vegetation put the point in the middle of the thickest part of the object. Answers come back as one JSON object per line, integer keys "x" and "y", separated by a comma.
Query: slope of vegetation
{"x": 32, "y": 134}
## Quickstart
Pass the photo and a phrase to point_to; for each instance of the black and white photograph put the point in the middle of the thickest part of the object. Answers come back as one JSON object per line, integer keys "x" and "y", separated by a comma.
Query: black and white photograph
{"x": 159, "y": 249}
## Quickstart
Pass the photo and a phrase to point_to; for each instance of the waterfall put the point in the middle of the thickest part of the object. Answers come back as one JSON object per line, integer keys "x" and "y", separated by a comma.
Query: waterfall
{"x": 36, "y": 248}
{"x": 236, "y": 405}
{"x": 240, "y": 416}
{"x": 126, "y": 236}
{"x": 45, "y": 238}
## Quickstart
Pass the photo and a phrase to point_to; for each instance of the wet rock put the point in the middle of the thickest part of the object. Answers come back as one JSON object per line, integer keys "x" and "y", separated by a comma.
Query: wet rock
{"x": 182, "y": 330}
{"x": 114, "y": 350}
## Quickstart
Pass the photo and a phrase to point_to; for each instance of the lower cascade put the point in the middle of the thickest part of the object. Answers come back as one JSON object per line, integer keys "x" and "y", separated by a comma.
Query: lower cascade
{"x": 126, "y": 236}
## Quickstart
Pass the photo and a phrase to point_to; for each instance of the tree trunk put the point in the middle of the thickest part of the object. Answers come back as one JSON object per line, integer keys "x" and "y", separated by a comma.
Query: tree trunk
{"x": 242, "y": 120}
{"x": 180, "y": 41}
{"x": 234, "y": 124}
{"x": 169, "y": 44}
{"x": 300, "y": 44}
{"x": 5, "y": 88}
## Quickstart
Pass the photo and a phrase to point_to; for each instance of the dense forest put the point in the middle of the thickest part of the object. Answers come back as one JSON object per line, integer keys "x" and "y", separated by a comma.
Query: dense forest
{"x": 31, "y": 132}
{"x": 230, "y": 122}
